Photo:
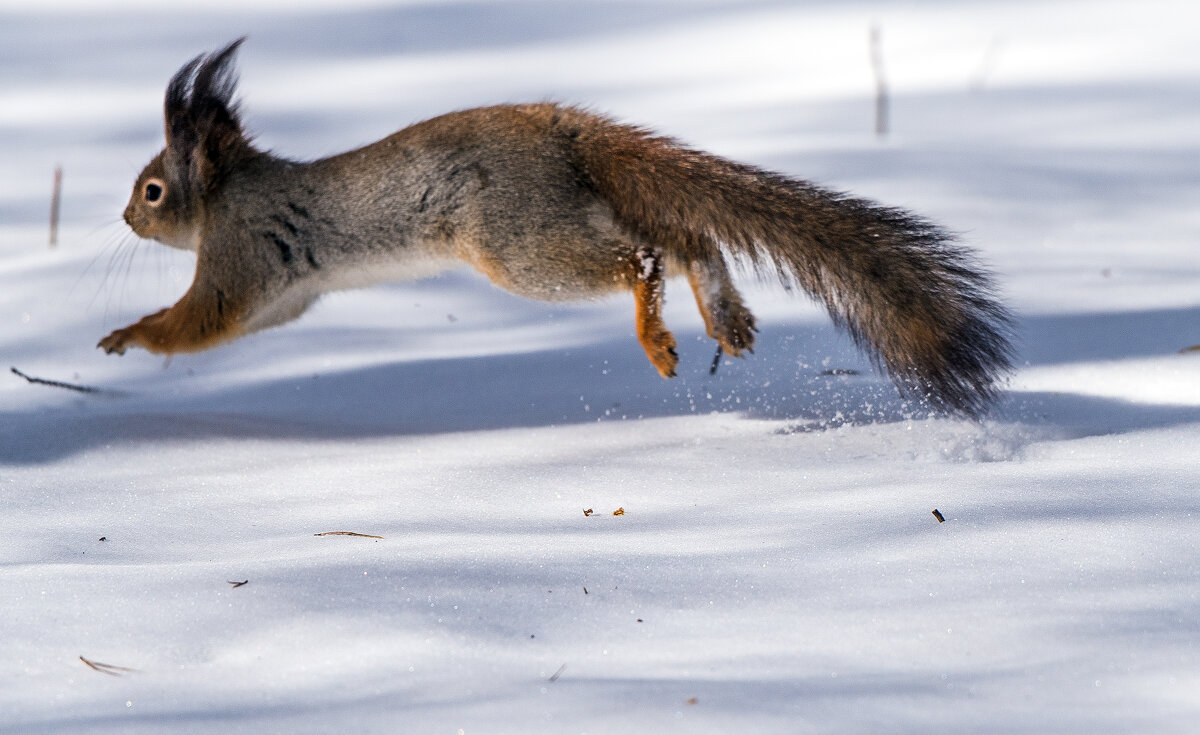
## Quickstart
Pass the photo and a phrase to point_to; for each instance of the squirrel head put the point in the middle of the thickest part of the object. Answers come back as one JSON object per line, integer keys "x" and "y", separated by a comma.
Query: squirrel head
{"x": 205, "y": 145}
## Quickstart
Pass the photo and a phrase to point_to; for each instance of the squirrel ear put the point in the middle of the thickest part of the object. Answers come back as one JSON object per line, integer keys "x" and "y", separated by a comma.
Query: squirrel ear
{"x": 204, "y": 134}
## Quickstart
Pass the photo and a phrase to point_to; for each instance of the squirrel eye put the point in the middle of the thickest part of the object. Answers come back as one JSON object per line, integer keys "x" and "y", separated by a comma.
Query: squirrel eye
{"x": 154, "y": 192}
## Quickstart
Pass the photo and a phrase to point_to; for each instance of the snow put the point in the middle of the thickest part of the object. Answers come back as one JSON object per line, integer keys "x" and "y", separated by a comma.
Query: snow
{"x": 777, "y": 568}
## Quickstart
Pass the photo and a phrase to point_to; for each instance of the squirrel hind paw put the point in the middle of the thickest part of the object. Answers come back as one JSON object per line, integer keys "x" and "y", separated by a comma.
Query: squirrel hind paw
{"x": 733, "y": 327}
{"x": 660, "y": 349}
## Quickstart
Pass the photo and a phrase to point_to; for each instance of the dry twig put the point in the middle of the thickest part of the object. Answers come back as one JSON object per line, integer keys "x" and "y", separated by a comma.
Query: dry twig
{"x": 55, "y": 200}
{"x": 881, "y": 90}
{"x": 59, "y": 383}
{"x": 108, "y": 668}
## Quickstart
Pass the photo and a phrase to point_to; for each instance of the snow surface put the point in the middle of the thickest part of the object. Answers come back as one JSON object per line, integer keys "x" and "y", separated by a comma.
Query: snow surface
{"x": 777, "y": 568}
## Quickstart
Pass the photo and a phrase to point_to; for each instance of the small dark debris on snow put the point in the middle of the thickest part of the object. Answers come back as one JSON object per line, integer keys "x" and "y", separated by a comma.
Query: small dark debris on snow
{"x": 238, "y": 584}
{"x": 692, "y": 700}
{"x": 619, "y": 512}
{"x": 556, "y": 674}
{"x": 104, "y": 538}
{"x": 587, "y": 512}
{"x": 938, "y": 515}
{"x": 841, "y": 371}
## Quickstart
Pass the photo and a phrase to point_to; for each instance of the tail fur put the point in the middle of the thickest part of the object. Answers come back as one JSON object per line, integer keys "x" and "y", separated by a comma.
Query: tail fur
{"x": 911, "y": 297}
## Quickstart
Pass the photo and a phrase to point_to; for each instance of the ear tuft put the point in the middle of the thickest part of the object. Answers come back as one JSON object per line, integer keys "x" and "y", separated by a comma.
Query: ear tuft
{"x": 204, "y": 132}
{"x": 213, "y": 86}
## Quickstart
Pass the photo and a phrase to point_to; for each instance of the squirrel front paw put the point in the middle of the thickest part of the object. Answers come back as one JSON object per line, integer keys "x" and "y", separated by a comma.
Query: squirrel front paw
{"x": 135, "y": 335}
{"x": 118, "y": 341}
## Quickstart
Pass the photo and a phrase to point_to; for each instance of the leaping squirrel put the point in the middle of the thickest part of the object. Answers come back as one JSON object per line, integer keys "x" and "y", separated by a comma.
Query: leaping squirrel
{"x": 550, "y": 202}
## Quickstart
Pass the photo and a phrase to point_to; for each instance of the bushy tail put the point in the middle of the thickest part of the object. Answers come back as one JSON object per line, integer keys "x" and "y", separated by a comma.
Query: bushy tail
{"x": 911, "y": 297}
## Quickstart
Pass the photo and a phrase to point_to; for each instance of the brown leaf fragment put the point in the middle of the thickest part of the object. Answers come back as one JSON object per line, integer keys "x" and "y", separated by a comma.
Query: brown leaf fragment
{"x": 619, "y": 512}
{"x": 692, "y": 700}
{"x": 938, "y": 515}
{"x": 587, "y": 512}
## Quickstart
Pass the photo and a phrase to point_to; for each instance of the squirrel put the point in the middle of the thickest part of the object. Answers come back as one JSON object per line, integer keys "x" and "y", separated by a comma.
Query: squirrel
{"x": 550, "y": 202}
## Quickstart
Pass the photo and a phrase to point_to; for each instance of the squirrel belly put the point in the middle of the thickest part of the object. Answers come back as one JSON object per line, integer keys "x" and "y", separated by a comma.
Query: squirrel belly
{"x": 556, "y": 203}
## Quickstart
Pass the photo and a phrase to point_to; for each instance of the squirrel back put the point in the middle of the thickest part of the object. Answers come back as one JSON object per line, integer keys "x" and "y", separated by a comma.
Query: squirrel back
{"x": 550, "y": 202}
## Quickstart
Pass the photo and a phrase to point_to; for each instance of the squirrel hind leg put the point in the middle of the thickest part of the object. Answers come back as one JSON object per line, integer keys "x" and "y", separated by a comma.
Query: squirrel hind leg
{"x": 656, "y": 339}
{"x": 726, "y": 318}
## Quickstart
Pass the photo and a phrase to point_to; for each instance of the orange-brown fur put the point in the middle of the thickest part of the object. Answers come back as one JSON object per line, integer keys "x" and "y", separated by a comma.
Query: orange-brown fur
{"x": 656, "y": 339}
{"x": 201, "y": 319}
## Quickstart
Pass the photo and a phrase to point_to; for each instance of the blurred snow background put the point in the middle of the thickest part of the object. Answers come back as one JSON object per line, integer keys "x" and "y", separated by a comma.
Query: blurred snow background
{"x": 777, "y": 568}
